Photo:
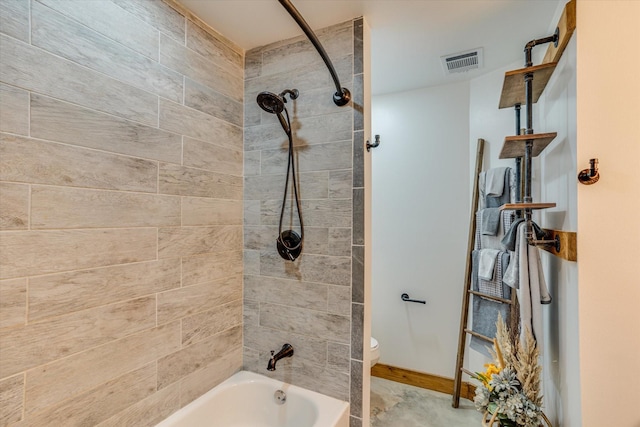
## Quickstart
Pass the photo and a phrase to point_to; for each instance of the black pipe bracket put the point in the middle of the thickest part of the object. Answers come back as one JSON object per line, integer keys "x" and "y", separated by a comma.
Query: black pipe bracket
{"x": 375, "y": 144}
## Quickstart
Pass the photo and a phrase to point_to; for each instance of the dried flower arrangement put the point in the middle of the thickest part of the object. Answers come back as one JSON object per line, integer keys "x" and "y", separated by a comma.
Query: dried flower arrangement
{"x": 509, "y": 391}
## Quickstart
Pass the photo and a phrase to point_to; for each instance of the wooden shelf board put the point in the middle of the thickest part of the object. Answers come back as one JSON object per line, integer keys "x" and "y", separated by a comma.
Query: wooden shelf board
{"x": 518, "y": 206}
{"x": 566, "y": 26}
{"x": 513, "y": 88}
{"x": 514, "y": 146}
{"x": 568, "y": 244}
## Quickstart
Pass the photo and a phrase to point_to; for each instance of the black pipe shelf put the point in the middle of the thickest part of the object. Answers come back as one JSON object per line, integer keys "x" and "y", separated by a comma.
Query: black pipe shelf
{"x": 515, "y": 146}
{"x": 513, "y": 88}
{"x": 525, "y": 205}
{"x": 522, "y": 87}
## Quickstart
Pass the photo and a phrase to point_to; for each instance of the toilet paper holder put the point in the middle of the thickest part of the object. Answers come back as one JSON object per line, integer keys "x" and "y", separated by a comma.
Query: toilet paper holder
{"x": 405, "y": 297}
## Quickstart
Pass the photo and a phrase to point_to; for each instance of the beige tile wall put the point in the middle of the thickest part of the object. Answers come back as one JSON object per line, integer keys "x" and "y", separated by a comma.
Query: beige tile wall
{"x": 120, "y": 211}
{"x": 316, "y": 302}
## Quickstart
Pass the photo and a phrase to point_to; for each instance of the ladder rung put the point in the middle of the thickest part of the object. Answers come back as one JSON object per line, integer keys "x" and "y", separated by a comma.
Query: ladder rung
{"x": 475, "y": 334}
{"x": 468, "y": 372}
{"x": 491, "y": 297}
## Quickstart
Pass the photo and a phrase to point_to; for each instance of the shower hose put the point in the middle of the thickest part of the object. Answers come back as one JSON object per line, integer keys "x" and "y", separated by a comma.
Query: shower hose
{"x": 291, "y": 169}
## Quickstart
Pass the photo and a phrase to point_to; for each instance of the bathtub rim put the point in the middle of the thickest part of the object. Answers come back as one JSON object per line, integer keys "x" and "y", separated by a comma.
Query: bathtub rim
{"x": 337, "y": 413}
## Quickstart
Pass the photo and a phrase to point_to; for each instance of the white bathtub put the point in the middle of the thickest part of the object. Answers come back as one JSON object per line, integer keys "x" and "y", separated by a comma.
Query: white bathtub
{"x": 247, "y": 400}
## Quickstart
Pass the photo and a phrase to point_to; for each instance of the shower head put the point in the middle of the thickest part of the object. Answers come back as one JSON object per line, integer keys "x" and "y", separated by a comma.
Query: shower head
{"x": 274, "y": 104}
{"x": 270, "y": 102}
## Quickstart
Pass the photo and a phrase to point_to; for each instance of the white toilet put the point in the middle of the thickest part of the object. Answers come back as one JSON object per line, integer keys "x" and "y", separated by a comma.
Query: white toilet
{"x": 375, "y": 351}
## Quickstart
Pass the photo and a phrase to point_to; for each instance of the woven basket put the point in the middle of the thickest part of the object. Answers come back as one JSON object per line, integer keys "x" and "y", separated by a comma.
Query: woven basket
{"x": 491, "y": 420}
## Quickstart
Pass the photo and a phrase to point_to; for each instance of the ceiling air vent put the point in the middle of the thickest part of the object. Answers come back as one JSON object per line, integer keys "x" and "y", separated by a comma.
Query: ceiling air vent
{"x": 462, "y": 61}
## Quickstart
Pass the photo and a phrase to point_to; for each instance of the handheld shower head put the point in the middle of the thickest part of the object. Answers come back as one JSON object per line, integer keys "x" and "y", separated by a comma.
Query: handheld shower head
{"x": 270, "y": 102}
{"x": 274, "y": 104}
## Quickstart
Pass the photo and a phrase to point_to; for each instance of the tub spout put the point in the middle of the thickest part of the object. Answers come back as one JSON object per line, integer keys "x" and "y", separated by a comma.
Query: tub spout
{"x": 285, "y": 351}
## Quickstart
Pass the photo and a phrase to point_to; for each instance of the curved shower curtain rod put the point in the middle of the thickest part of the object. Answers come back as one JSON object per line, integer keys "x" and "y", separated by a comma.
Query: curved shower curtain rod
{"x": 342, "y": 95}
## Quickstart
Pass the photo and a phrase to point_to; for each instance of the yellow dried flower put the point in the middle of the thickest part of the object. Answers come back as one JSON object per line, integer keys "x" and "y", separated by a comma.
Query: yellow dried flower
{"x": 491, "y": 369}
{"x": 488, "y": 374}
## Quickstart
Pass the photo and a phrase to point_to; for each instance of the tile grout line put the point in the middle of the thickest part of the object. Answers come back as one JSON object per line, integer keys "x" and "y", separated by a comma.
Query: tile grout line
{"x": 26, "y": 305}
{"x": 30, "y": 23}
{"x": 24, "y": 396}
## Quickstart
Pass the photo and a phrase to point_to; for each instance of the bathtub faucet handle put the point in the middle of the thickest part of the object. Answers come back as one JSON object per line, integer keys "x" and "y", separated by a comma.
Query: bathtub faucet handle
{"x": 285, "y": 351}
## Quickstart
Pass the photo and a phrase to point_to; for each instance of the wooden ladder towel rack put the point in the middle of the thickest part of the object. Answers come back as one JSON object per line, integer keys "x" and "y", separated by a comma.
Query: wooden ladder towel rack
{"x": 469, "y": 292}
{"x": 464, "y": 317}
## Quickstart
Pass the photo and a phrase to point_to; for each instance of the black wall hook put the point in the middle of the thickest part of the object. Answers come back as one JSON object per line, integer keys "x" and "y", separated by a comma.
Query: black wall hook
{"x": 374, "y": 145}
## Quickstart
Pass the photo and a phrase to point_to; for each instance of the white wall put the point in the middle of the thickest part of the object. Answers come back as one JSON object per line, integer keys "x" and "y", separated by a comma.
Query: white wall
{"x": 554, "y": 180}
{"x": 420, "y": 212}
{"x": 561, "y": 368}
{"x": 486, "y": 121}
{"x": 608, "y": 230}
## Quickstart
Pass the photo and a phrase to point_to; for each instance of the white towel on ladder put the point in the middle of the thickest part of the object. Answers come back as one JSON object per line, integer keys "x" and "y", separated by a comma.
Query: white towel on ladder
{"x": 526, "y": 275}
{"x": 487, "y": 263}
{"x": 494, "y": 182}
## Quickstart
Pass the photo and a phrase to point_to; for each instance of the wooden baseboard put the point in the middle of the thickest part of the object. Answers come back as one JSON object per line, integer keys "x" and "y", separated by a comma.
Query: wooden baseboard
{"x": 423, "y": 380}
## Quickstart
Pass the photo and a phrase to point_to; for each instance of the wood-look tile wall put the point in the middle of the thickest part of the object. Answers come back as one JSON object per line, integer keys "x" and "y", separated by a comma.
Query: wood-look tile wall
{"x": 316, "y": 302}
{"x": 121, "y": 163}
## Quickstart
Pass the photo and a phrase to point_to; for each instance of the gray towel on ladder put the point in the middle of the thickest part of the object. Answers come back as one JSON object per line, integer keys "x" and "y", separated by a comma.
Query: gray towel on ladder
{"x": 494, "y": 182}
{"x": 490, "y": 221}
{"x": 509, "y": 239}
{"x": 485, "y": 311}
{"x": 484, "y": 241}
{"x": 491, "y": 201}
